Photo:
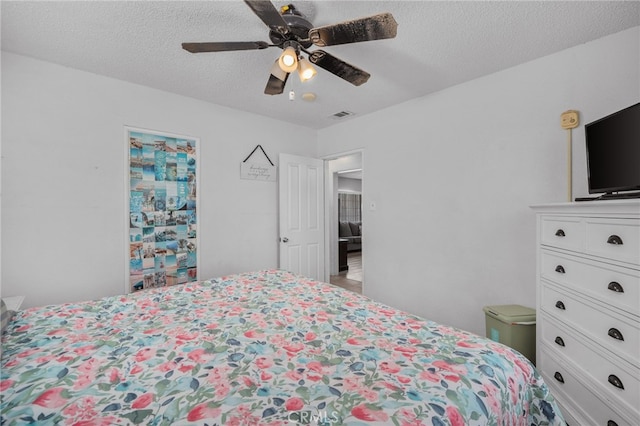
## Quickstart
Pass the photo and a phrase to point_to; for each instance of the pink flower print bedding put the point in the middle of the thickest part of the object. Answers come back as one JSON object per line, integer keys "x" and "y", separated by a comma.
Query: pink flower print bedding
{"x": 262, "y": 348}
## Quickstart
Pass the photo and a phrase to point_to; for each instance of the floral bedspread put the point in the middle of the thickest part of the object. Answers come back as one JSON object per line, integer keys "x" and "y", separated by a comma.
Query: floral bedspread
{"x": 263, "y": 348}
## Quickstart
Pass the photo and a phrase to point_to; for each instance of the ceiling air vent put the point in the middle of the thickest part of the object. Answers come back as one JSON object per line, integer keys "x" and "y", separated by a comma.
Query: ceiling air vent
{"x": 342, "y": 114}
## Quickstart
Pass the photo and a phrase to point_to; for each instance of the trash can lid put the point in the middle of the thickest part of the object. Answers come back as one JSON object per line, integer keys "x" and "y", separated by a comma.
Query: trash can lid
{"x": 511, "y": 313}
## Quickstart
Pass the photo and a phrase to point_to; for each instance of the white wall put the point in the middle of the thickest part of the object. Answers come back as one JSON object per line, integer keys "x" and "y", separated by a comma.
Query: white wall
{"x": 453, "y": 175}
{"x": 63, "y": 180}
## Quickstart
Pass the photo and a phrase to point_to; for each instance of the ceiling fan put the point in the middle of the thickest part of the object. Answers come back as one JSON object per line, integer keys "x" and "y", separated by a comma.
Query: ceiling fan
{"x": 291, "y": 32}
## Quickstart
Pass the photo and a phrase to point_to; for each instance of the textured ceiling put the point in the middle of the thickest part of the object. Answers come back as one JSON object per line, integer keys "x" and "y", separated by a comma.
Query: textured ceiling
{"x": 439, "y": 44}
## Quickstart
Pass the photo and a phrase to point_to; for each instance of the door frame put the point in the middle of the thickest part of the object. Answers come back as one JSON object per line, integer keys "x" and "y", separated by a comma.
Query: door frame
{"x": 331, "y": 208}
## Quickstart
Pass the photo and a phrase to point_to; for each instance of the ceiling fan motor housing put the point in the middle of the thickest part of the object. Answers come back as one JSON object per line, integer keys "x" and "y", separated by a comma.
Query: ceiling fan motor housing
{"x": 298, "y": 28}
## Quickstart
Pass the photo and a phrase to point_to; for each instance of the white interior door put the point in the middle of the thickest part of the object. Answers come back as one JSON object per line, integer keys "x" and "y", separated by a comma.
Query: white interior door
{"x": 301, "y": 192}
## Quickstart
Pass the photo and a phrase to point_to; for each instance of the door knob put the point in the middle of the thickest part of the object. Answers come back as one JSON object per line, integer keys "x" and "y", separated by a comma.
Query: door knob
{"x": 285, "y": 240}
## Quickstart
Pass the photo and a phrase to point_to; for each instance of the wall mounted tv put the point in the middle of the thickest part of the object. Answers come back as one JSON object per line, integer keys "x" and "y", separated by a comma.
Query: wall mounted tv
{"x": 613, "y": 154}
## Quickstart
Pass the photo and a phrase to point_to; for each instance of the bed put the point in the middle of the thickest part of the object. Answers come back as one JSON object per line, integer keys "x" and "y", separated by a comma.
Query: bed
{"x": 260, "y": 348}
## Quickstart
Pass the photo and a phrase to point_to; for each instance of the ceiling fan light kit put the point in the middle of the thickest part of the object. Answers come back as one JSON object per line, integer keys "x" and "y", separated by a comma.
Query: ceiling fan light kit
{"x": 291, "y": 32}
{"x": 306, "y": 71}
{"x": 278, "y": 72}
{"x": 288, "y": 61}
{"x": 277, "y": 79}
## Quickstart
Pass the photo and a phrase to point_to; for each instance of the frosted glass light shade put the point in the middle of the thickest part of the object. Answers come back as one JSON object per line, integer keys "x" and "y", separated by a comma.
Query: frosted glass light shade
{"x": 288, "y": 61}
{"x": 306, "y": 71}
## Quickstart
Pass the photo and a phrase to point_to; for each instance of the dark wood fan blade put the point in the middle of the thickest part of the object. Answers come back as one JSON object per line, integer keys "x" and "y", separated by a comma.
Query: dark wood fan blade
{"x": 268, "y": 13}
{"x": 275, "y": 86}
{"x": 277, "y": 80}
{"x": 376, "y": 27}
{"x": 224, "y": 46}
{"x": 353, "y": 75}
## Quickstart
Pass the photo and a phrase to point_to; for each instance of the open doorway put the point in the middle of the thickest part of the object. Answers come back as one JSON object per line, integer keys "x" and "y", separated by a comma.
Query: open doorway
{"x": 344, "y": 196}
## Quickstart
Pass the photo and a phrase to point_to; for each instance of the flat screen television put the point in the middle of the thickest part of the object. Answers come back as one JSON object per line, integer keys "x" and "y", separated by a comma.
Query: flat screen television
{"x": 613, "y": 154}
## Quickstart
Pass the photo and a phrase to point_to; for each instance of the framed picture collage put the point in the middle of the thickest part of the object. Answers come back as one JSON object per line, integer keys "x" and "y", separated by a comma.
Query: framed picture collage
{"x": 162, "y": 209}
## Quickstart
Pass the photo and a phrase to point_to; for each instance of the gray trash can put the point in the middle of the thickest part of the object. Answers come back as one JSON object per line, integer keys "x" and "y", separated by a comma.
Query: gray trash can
{"x": 514, "y": 326}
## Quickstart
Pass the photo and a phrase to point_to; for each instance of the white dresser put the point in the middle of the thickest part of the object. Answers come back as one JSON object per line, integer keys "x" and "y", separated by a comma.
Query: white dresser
{"x": 588, "y": 309}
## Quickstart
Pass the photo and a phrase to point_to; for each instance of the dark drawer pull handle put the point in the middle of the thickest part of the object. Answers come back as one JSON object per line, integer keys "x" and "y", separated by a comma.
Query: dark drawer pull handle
{"x": 615, "y": 240}
{"x": 558, "y": 377}
{"x": 559, "y": 341}
{"x": 612, "y": 423}
{"x": 560, "y": 233}
{"x": 560, "y": 305}
{"x": 560, "y": 269}
{"x": 614, "y": 286}
{"x": 615, "y": 381}
{"x": 615, "y": 333}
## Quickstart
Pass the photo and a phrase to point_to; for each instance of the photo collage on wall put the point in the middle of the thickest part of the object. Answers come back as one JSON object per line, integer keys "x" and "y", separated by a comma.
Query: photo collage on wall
{"x": 162, "y": 210}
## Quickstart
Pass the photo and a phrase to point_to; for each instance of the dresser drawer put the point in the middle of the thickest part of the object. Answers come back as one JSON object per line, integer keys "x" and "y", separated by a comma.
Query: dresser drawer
{"x": 618, "y": 335}
{"x": 576, "y": 395}
{"x": 562, "y": 232}
{"x": 617, "y": 239}
{"x": 617, "y": 286}
{"x": 567, "y": 413}
{"x": 622, "y": 383}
